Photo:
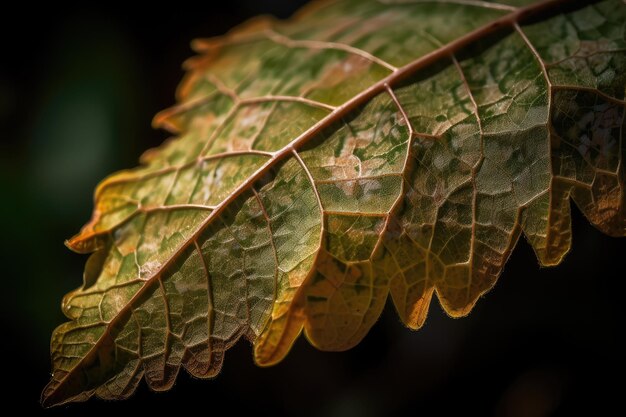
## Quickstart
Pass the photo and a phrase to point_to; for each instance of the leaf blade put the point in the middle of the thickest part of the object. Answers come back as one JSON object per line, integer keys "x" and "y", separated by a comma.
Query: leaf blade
{"x": 236, "y": 153}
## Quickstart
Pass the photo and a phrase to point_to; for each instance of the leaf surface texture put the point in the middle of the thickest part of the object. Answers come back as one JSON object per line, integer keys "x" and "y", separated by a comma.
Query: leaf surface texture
{"x": 359, "y": 150}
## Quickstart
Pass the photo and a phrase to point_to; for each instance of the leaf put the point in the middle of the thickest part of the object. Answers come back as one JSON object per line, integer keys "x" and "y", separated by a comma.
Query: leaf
{"x": 361, "y": 149}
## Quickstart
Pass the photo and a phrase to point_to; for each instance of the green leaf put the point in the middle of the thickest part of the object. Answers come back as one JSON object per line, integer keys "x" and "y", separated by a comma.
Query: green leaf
{"x": 361, "y": 149}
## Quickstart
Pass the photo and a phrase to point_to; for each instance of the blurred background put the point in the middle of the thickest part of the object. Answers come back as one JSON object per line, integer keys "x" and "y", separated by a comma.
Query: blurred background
{"x": 77, "y": 94}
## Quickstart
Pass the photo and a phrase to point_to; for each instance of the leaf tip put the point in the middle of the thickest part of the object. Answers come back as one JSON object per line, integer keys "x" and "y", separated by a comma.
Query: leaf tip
{"x": 47, "y": 401}
{"x": 51, "y": 396}
{"x": 64, "y": 388}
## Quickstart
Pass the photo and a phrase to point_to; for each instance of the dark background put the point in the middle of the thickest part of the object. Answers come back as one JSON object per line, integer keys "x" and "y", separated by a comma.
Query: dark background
{"x": 78, "y": 88}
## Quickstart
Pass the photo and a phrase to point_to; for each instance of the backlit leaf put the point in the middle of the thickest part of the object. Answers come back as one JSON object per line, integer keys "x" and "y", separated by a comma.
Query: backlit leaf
{"x": 360, "y": 149}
